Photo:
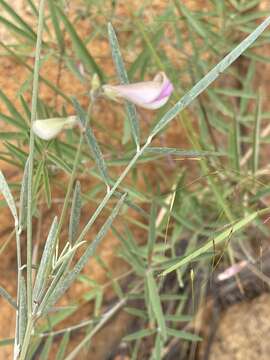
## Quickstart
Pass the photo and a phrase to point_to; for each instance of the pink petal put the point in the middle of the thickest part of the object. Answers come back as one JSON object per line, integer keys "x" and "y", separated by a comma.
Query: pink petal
{"x": 155, "y": 104}
{"x": 148, "y": 94}
{"x": 166, "y": 91}
{"x": 142, "y": 92}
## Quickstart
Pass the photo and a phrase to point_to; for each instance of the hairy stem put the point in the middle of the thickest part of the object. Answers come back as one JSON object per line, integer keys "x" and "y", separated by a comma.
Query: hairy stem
{"x": 30, "y": 180}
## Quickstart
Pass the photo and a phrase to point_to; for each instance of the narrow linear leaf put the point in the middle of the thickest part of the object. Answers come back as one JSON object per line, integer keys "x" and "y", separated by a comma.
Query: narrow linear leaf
{"x": 46, "y": 349}
{"x": 235, "y": 143}
{"x": 55, "y": 22}
{"x": 10, "y": 161}
{"x": 136, "y": 312}
{"x": 10, "y": 135}
{"x": 156, "y": 354}
{"x": 81, "y": 50}
{"x": 17, "y": 152}
{"x": 173, "y": 297}
{"x": 6, "y": 342}
{"x": 131, "y": 252}
{"x": 209, "y": 78}
{"x": 4, "y": 189}
{"x": 13, "y": 111}
{"x": 248, "y": 80}
{"x": 12, "y": 121}
{"x": 92, "y": 143}
{"x": 60, "y": 163}
{"x": 178, "y": 152}
{"x": 132, "y": 205}
{"x": 47, "y": 187}
{"x": 139, "y": 334}
{"x": 7, "y": 297}
{"x": 156, "y": 304}
{"x": 17, "y": 18}
{"x": 68, "y": 254}
{"x": 216, "y": 240}
{"x": 33, "y": 7}
{"x": 22, "y": 311}
{"x": 235, "y": 93}
{"x": 58, "y": 275}
{"x": 75, "y": 214}
{"x": 256, "y": 136}
{"x": 63, "y": 346}
{"x": 195, "y": 23}
{"x": 116, "y": 55}
{"x": 45, "y": 263}
{"x": 64, "y": 283}
{"x": 16, "y": 30}
{"x": 122, "y": 75}
{"x": 243, "y": 6}
{"x": 74, "y": 69}
{"x": 178, "y": 318}
{"x": 183, "y": 335}
{"x": 37, "y": 178}
{"x": 152, "y": 229}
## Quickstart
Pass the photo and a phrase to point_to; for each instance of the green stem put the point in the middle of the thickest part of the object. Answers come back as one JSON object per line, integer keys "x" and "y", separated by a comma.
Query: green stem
{"x": 112, "y": 190}
{"x": 70, "y": 185}
{"x": 19, "y": 267}
{"x": 73, "y": 174}
{"x": 27, "y": 338}
{"x": 29, "y": 327}
{"x": 31, "y": 154}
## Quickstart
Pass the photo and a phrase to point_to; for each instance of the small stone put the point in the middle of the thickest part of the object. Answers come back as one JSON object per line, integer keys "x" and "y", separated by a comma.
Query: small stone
{"x": 243, "y": 331}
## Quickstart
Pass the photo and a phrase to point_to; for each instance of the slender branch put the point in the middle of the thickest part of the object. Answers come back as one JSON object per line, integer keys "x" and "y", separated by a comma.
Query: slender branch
{"x": 31, "y": 154}
{"x": 112, "y": 190}
{"x": 70, "y": 185}
{"x": 73, "y": 174}
{"x": 30, "y": 180}
{"x": 19, "y": 279}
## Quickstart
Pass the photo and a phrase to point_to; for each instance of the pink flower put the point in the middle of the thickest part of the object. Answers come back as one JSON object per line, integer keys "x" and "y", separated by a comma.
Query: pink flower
{"x": 147, "y": 94}
{"x": 232, "y": 270}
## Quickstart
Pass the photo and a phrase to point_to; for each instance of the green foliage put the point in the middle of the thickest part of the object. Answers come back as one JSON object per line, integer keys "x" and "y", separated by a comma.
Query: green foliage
{"x": 177, "y": 211}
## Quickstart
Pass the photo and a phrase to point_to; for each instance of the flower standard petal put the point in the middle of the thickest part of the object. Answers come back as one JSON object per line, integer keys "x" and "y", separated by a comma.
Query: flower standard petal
{"x": 47, "y": 129}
